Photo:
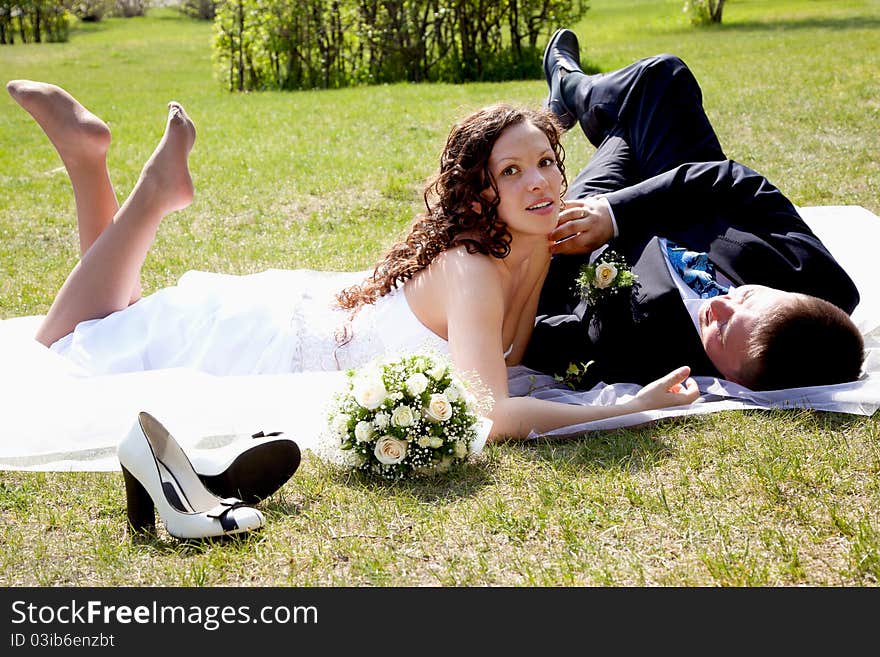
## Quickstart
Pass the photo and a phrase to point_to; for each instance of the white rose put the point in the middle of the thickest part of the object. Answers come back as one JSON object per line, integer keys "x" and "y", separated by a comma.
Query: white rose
{"x": 381, "y": 420}
{"x": 451, "y": 393}
{"x": 438, "y": 371}
{"x": 435, "y": 442}
{"x": 390, "y": 450}
{"x": 605, "y": 275}
{"x": 402, "y": 416}
{"x": 416, "y": 384}
{"x": 439, "y": 409}
{"x": 370, "y": 392}
{"x": 460, "y": 449}
{"x": 363, "y": 431}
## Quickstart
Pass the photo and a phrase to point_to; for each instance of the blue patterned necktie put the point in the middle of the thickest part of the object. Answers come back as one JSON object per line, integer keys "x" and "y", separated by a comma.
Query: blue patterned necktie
{"x": 696, "y": 270}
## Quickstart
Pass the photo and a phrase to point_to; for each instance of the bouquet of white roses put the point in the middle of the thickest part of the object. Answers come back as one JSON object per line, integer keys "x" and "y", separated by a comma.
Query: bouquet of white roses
{"x": 407, "y": 415}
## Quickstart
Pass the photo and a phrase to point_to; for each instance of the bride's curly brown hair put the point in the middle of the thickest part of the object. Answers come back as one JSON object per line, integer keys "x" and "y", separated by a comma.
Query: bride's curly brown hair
{"x": 457, "y": 212}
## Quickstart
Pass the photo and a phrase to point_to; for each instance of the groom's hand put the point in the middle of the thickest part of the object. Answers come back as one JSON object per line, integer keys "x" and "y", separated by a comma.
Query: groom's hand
{"x": 583, "y": 226}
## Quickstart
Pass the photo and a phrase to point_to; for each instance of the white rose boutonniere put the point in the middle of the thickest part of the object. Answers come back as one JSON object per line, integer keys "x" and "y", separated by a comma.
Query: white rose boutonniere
{"x": 604, "y": 278}
{"x": 605, "y": 275}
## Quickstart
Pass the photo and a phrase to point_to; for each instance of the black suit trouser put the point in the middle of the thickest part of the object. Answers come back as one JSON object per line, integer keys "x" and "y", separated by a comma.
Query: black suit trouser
{"x": 644, "y": 119}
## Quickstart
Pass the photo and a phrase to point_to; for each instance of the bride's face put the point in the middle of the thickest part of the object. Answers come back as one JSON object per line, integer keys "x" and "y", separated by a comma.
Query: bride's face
{"x": 529, "y": 182}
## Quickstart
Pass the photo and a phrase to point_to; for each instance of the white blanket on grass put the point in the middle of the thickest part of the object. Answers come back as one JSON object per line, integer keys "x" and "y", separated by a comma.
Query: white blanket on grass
{"x": 51, "y": 419}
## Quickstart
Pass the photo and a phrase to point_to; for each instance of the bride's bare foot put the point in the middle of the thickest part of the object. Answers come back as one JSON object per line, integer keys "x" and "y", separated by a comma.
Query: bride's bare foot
{"x": 76, "y": 133}
{"x": 166, "y": 173}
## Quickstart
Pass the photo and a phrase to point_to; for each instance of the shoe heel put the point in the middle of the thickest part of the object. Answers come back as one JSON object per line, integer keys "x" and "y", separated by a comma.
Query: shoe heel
{"x": 139, "y": 504}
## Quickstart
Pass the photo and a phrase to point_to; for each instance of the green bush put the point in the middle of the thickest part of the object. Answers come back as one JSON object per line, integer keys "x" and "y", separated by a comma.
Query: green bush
{"x": 297, "y": 44}
{"x": 33, "y": 21}
{"x": 201, "y": 9}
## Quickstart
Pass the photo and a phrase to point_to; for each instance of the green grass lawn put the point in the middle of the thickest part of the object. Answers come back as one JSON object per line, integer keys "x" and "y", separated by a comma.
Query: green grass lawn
{"x": 325, "y": 179}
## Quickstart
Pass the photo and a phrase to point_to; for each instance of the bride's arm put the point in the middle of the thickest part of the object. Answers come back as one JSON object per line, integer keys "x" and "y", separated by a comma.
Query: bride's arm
{"x": 516, "y": 417}
{"x": 475, "y": 312}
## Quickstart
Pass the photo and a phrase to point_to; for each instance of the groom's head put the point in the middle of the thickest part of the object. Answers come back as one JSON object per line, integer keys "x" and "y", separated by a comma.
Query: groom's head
{"x": 767, "y": 339}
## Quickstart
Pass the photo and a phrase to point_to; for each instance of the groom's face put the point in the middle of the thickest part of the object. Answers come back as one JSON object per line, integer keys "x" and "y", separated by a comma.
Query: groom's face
{"x": 727, "y": 323}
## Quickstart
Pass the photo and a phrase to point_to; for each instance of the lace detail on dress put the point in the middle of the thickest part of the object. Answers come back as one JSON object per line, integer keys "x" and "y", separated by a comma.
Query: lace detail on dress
{"x": 384, "y": 327}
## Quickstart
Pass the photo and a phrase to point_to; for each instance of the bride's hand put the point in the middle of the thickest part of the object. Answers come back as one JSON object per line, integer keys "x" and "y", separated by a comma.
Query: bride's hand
{"x": 674, "y": 389}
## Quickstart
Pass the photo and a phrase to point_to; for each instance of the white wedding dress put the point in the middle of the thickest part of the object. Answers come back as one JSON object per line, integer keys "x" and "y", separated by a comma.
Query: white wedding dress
{"x": 273, "y": 322}
{"x": 216, "y": 358}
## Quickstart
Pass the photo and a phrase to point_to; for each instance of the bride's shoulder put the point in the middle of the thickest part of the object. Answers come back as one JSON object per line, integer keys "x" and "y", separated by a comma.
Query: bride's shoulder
{"x": 460, "y": 258}
{"x": 457, "y": 265}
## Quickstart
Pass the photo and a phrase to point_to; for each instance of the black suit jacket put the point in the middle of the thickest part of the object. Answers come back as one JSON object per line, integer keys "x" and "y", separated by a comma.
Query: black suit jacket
{"x": 751, "y": 232}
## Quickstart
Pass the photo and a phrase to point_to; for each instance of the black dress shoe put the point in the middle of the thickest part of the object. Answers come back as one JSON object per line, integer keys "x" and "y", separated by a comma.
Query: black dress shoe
{"x": 250, "y": 470}
{"x": 561, "y": 55}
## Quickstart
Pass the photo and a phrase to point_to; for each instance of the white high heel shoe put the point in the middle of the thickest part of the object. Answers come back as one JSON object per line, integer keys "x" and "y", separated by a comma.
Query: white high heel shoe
{"x": 157, "y": 472}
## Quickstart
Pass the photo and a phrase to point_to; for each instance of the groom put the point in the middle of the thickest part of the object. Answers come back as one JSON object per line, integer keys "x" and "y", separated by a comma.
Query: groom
{"x": 660, "y": 192}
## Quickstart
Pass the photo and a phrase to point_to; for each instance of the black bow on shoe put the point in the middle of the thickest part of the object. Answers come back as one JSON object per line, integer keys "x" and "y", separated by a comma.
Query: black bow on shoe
{"x": 221, "y": 512}
{"x": 260, "y": 434}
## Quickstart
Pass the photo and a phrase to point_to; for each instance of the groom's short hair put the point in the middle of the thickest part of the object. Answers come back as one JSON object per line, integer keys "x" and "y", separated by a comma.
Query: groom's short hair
{"x": 807, "y": 342}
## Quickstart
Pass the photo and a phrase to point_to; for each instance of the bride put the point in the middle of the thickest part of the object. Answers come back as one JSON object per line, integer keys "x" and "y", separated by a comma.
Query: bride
{"x": 465, "y": 280}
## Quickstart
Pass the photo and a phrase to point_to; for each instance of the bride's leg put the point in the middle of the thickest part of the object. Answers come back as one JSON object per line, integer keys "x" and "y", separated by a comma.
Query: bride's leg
{"x": 82, "y": 140}
{"x": 102, "y": 281}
